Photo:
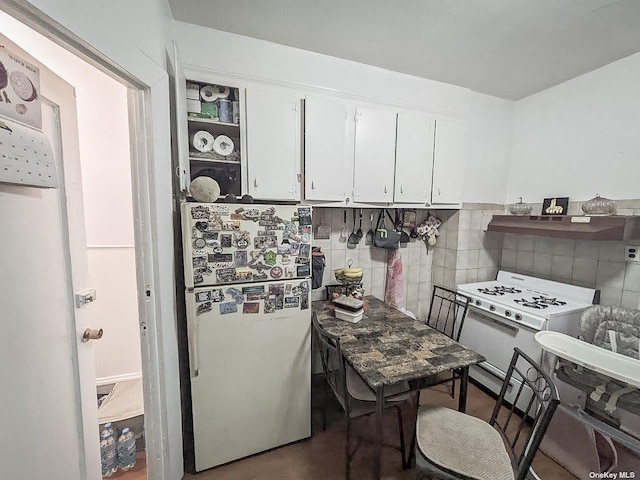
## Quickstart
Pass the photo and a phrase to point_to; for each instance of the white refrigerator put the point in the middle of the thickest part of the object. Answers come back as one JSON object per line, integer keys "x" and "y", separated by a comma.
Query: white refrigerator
{"x": 247, "y": 273}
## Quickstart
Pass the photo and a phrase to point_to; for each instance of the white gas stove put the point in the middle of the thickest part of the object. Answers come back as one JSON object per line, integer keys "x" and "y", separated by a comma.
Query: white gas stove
{"x": 507, "y": 312}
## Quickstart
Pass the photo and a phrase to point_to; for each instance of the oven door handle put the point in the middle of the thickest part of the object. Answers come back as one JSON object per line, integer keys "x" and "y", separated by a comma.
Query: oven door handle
{"x": 490, "y": 372}
{"x": 483, "y": 316}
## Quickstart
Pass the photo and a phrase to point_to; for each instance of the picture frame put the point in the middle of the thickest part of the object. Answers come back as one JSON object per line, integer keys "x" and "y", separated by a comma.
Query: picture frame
{"x": 555, "y": 206}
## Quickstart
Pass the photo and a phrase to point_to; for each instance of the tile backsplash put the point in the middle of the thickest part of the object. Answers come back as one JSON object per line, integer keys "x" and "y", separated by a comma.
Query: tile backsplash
{"x": 466, "y": 253}
{"x": 416, "y": 259}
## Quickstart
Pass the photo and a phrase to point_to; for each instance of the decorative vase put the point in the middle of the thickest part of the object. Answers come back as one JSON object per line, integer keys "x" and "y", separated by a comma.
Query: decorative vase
{"x": 520, "y": 208}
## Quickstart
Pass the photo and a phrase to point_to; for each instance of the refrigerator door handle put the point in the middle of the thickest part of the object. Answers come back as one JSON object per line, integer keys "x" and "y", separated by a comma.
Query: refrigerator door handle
{"x": 192, "y": 332}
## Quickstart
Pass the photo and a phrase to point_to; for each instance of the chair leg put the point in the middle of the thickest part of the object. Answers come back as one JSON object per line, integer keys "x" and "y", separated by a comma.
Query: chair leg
{"x": 347, "y": 453}
{"x": 324, "y": 407}
{"x": 453, "y": 386}
{"x": 402, "y": 446}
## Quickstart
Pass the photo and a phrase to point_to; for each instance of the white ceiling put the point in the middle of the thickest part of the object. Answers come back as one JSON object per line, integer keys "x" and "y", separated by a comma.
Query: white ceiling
{"x": 506, "y": 48}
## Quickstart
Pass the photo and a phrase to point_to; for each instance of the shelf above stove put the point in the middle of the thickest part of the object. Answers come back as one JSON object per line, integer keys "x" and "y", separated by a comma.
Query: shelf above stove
{"x": 616, "y": 227}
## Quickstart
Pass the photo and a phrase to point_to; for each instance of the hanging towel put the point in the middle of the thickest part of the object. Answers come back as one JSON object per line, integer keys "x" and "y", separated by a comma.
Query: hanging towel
{"x": 393, "y": 287}
{"x": 317, "y": 268}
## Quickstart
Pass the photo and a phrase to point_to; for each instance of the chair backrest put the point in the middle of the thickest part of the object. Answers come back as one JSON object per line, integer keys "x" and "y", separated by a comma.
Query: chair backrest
{"x": 447, "y": 311}
{"x": 333, "y": 365}
{"x": 536, "y": 396}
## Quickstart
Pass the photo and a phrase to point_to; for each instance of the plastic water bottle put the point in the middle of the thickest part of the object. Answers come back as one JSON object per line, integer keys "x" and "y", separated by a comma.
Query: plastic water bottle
{"x": 126, "y": 449}
{"x": 108, "y": 453}
{"x": 108, "y": 427}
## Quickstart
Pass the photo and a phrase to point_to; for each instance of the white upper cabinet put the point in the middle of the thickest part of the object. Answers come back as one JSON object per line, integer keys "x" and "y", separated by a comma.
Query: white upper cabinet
{"x": 273, "y": 144}
{"x": 179, "y": 117}
{"x": 414, "y": 159}
{"x": 375, "y": 149}
{"x": 450, "y": 149}
{"x": 328, "y": 156}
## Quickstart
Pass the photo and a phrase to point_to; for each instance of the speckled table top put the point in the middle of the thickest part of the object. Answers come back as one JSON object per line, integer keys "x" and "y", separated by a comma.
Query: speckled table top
{"x": 387, "y": 346}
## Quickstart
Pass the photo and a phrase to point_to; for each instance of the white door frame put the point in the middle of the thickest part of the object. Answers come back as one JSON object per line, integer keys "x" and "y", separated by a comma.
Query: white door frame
{"x": 140, "y": 115}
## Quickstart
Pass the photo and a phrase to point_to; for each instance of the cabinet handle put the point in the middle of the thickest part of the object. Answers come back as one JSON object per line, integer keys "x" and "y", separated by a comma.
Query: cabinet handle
{"x": 385, "y": 189}
{"x": 401, "y": 189}
{"x": 255, "y": 181}
{"x": 313, "y": 185}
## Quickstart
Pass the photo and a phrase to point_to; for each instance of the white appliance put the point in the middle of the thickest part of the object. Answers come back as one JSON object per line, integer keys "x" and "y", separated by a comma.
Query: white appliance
{"x": 247, "y": 272}
{"x": 508, "y": 312}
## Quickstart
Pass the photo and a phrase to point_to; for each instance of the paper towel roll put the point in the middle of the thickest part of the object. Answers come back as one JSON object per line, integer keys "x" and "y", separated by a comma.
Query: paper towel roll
{"x": 211, "y": 93}
{"x": 223, "y": 145}
{"x": 202, "y": 141}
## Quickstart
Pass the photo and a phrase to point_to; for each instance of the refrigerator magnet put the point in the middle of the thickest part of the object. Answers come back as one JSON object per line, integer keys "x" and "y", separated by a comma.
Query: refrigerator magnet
{"x": 225, "y": 241}
{"x": 200, "y": 261}
{"x": 228, "y": 307}
{"x": 203, "y": 308}
{"x": 251, "y": 307}
{"x": 289, "y": 272}
{"x": 199, "y": 243}
{"x": 303, "y": 270}
{"x": 270, "y": 304}
{"x": 304, "y": 302}
{"x": 240, "y": 257}
{"x": 203, "y": 296}
{"x": 275, "y": 272}
{"x": 200, "y": 212}
{"x": 291, "y": 302}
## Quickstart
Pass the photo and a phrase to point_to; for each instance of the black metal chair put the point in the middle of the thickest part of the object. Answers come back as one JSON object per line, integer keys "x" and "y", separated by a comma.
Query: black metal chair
{"x": 447, "y": 312}
{"x": 453, "y": 445}
{"x": 355, "y": 397}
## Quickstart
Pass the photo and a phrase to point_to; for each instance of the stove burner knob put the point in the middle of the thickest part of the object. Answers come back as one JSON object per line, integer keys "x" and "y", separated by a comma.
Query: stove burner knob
{"x": 518, "y": 316}
{"x": 492, "y": 308}
{"x": 507, "y": 313}
{"x": 477, "y": 302}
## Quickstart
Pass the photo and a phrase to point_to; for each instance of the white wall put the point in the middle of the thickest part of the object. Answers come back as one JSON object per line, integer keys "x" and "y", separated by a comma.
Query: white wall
{"x": 488, "y": 118}
{"x": 106, "y": 183}
{"x": 580, "y": 138}
{"x": 134, "y": 35}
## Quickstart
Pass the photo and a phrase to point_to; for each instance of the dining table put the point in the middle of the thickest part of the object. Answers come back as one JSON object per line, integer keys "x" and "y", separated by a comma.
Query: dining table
{"x": 387, "y": 347}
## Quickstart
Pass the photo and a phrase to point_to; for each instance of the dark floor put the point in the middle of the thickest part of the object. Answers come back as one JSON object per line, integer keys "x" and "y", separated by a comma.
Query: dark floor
{"x": 322, "y": 456}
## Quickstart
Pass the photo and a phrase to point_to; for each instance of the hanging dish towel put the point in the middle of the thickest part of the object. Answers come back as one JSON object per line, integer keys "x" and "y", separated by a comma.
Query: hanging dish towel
{"x": 393, "y": 287}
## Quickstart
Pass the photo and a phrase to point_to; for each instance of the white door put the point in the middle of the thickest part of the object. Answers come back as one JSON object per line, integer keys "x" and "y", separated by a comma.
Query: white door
{"x": 414, "y": 159}
{"x": 448, "y": 161}
{"x": 328, "y": 157}
{"x": 375, "y": 151}
{"x": 273, "y": 145}
{"x": 47, "y": 375}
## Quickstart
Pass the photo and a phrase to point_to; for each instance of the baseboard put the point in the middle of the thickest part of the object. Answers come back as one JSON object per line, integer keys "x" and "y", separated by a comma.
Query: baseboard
{"x": 117, "y": 378}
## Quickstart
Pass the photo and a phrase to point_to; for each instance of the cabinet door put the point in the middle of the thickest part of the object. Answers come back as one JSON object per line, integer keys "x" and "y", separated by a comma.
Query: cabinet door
{"x": 448, "y": 161}
{"x": 328, "y": 163}
{"x": 273, "y": 145}
{"x": 375, "y": 149}
{"x": 414, "y": 159}
{"x": 179, "y": 120}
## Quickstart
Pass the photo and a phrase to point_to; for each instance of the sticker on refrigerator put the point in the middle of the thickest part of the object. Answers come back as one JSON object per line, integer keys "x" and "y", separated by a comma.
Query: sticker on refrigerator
{"x": 303, "y": 270}
{"x": 304, "y": 302}
{"x": 220, "y": 258}
{"x": 237, "y": 295}
{"x": 304, "y": 216}
{"x": 228, "y": 307}
{"x": 268, "y": 241}
{"x": 289, "y": 272}
{"x": 240, "y": 258}
{"x": 284, "y": 249}
{"x": 276, "y": 272}
{"x": 203, "y": 308}
{"x": 200, "y": 212}
{"x": 241, "y": 239}
{"x": 220, "y": 209}
{"x": 291, "y": 302}
{"x": 304, "y": 229}
{"x": 305, "y": 250}
{"x": 202, "y": 226}
{"x": 270, "y": 258}
{"x": 231, "y": 225}
{"x": 203, "y": 296}
{"x": 302, "y": 260}
{"x": 244, "y": 276}
{"x": 295, "y": 248}
{"x": 225, "y": 275}
{"x": 197, "y": 279}
{"x": 225, "y": 240}
{"x": 270, "y": 304}
{"x": 251, "y": 307}
{"x": 199, "y": 261}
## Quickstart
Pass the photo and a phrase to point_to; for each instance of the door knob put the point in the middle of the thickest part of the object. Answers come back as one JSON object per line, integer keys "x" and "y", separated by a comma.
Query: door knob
{"x": 91, "y": 334}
